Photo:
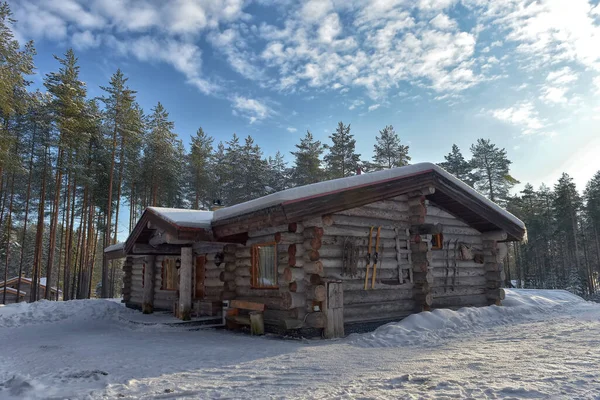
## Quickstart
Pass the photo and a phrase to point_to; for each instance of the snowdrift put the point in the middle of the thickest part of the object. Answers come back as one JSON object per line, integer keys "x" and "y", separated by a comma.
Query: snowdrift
{"x": 429, "y": 328}
{"x": 44, "y": 311}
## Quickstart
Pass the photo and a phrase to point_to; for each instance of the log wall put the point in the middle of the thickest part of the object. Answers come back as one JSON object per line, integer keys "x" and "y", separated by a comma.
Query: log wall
{"x": 457, "y": 282}
{"x": 391, "y": 295}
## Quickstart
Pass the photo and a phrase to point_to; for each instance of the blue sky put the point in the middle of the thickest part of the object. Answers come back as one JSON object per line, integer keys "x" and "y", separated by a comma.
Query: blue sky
{"x": 524, "y": 74}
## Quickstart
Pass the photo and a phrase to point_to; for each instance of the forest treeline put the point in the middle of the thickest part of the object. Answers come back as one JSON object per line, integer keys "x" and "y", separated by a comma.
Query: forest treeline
{"x": 74, "y": 170}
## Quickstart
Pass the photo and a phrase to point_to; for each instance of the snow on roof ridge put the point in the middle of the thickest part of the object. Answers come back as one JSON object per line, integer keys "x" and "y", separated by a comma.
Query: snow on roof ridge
{"x": 203, "y": 219}
{"x": 320, "y": 188}
{"x": 184, "y": 217}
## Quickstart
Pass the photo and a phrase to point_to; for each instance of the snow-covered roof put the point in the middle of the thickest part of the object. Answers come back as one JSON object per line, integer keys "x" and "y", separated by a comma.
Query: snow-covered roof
{"x": 42, "y": 282}
{"x": 335, "y": 185}
{"x": 14, "y": 291}
{"x": 114, "y": 247}
{"x": 183, "y": 217}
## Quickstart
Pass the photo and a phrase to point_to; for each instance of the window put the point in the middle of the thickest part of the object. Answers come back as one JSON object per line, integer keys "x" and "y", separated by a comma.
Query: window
{"x": 264, "y": 266}
{"x": 437, "y": 241}
{"x": 169, "y": 274}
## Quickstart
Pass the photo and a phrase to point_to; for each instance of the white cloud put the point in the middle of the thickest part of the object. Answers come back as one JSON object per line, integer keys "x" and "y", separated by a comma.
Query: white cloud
{"x": 442, "y": 21}
{"x": 291, "y": 129}
{"x": 252, "y": 109}
{"x": 554, "y": 95}
{"x": 85, "y": 40}
{"x": 522, "y": 115}
{"x": 374, "y": 107}
{"x": 562, "y": 76}
{"x": 596, "y": 83}
{"x": 356, "y": 103}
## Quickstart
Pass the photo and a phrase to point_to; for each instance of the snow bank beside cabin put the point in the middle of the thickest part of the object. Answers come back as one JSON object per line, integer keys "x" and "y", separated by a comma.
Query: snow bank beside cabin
{"x": 429, "y": 328}
{"x": 44, "y": 311}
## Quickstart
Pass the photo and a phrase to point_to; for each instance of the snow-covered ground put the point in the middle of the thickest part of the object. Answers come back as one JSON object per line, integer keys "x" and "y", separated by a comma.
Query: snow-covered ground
{"x": 540, "y": 344}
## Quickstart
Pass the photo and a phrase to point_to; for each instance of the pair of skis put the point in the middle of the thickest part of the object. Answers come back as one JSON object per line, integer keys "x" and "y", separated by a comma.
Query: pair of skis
{"x": 375, "y": 258}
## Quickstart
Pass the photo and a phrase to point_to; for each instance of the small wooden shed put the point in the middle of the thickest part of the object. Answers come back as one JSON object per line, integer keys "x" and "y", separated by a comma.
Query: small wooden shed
{"x": 329, "y": 258}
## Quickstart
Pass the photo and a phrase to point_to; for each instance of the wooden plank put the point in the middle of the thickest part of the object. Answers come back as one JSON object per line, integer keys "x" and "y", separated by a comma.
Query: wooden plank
{"x": 247, "y": 305}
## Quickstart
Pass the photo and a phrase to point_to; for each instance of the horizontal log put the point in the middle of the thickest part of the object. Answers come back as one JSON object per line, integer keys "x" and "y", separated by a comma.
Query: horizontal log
{"x": 230, "y": 267}
{"x": 423, "y": 301}
{"x": 243, "y": 262}
{"x": 230, "y": 248}
{"x": 313, "y": 232}
{"x": 458, "y": 280}
{"x": 247, "y": 291}
{"x": 315, "y": 267}
{"x": 375, "y": 311}
{"x": 364, "y": 222}
{"x": 296, "y": 227}
{"x": 495, "y": 276}
{"x": 495, "y": 235}
{"x": 359, "y": 284}
{"x": 459, "y": 291}
{"x": 383, "y": 274}
{"x": 313, "y": 255}
{"x": 315, "y": 320}
{"x": 441, "y": 263}
{"x": 402, "y": 219}
{"x": 376, "y": 295}
{"x": 216, "y": 282}
{"x": 312, "y": 244}
{"x": 420, "y": 277}
{"x": 293, "y": 300}
{"x": 288, "y": 238}
{"x": 280, "y": 315}
{"x": 229, "y": 286}
{"x": 212, "y": 273}
{"x": 496, "y": 294}
{"x": 242, "y": 281}
{"x": 271, "y": 230}
{"x": 296, "y": 250}
{"x": 336, "y": 251}
{"x": 426, "y": 229}
{"x": 243, "y": 271}
{"x": 316, "y": 293}
{"x": 312, "y": 222}
{"x": 291, "y": 274}
{"x": 313, "y": 279}
{"x": 476, "y": 300}
{"x": 243, "y": 252}
{"x": 298, "y": 286}
{"x": 266, "y": 239}
{"x": 360, "y": 232}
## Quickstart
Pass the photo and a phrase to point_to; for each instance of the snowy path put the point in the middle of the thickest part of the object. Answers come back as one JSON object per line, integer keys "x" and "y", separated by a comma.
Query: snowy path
{"x": 544, "y": 344}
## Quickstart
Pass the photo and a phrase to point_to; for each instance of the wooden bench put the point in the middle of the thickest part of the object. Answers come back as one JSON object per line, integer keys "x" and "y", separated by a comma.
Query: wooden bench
{"x": 254, "y": 318}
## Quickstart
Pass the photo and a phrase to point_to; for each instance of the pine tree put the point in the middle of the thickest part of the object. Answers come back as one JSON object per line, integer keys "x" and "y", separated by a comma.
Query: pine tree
{"x": 342, "y": 159}
{"x": 389, "y": 152}
{"x": 119, "y": 109}
{"x": 491, "y": 170}
{"x": 457, "y": 165}
{"x": 567, "y": 204}
{"x": 307, "y": 164}
{"x": 162, "y": 161}
{"x": 278, "y": 174}
{"x": 200, "y": 164}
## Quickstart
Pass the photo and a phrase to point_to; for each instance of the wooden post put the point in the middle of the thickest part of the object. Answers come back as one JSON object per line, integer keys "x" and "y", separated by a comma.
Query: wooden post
{"x": 148, "y": 291}
{"x": 257, "y": 323}
{"x": 334, "y": 310}
{"x": 185, "y": 284}
{"x": 420, "y": 255}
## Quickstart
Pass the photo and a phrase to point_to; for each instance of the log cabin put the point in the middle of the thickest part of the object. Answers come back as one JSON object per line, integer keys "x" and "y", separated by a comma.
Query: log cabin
{"x": 25, "y": 289}
{"x": 329, "y": 258}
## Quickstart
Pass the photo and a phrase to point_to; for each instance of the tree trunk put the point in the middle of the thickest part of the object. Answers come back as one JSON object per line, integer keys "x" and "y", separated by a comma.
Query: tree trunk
{"x": 8, "y": 229}
{"x": 54, "y": 221}
{"x": 26, "y": 220}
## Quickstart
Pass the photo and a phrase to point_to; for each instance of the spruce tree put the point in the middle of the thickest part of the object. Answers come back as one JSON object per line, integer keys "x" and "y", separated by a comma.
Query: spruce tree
{"x": 567, "y": 204}
{"x": 278, "y": 173}
{"x": 200, "y": 163}
{"x": 162, "y": 160}
{"x": 389, "y": 152}
{"x": 457, "y": 165}
{"x": 491, "y": 170}
{"x": 342, "y": 159}
{"x": 307, "y": 161}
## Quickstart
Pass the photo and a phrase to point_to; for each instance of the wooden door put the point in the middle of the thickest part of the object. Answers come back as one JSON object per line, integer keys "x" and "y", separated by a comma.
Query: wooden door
{"x": 199, "y": 282}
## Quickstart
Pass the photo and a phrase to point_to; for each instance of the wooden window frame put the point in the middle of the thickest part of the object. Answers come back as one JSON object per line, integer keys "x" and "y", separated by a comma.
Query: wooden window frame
{"x": 163, "y": 275}
{"x": 437, "y": 241}
{"x": 254, "y": 269}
